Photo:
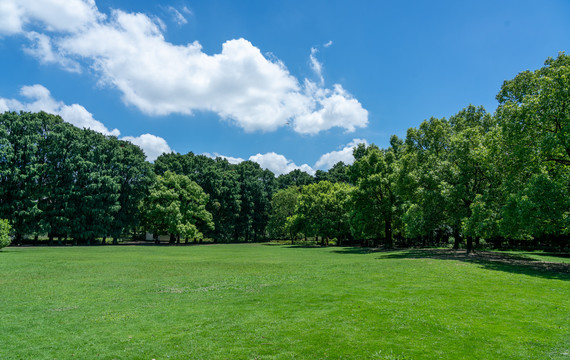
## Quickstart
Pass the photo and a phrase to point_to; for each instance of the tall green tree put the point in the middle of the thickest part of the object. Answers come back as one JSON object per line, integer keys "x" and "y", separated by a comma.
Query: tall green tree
{"x": 283, "y": 205}
{"x": 177, "y": 206}
{"x": 294, "y": 178}
{"x": 219, "y": 179}
{"x": 256, "y": 187}
{"x": 337, "y": 173}
{"x": 375, "y": 200}
{"x": 135, "y": 177}
{"x": 422, "y": 179}
{"x": 19, "y": 187}
{"x": 95, "y": 192}
{"x": 322, "y": 210}
{"x": 534, "y": 119}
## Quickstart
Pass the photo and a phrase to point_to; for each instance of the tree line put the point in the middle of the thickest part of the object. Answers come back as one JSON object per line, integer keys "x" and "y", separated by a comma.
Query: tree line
{"x": 475, "y": 176}
{"x": 502, "y": 178}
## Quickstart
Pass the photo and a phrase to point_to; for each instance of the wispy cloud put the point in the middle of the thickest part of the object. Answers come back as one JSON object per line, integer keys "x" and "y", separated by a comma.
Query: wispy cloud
{"x": 177, "y": 15}
{"x": 317, "y": 66}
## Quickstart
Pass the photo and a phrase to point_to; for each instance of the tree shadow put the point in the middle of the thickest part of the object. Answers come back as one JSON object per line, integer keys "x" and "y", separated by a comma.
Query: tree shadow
{"x": 549, "y": 254}
{"x": 489, "y": 260}
{"x": 358, "y": 250}
{"x": 303, "y": 246}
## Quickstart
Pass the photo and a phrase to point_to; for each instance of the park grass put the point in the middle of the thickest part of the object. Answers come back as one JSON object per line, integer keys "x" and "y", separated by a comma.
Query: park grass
{"x": 255, "y": 301}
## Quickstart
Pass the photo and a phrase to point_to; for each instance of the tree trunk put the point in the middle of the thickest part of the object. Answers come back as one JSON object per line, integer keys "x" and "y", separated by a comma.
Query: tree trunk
{"x": 457, "y": 240}
{"x": 156, "y": 239}
{"x": 18, "y": 239}
{"x": 469, "y": 245}
{"x": 497, "y": 242}
{"x": 104, "y": 241}
{"x": 172, "y": 239}
{"x": 50, "y": 239}
{"x": 115, "y": 240}
{"x": 388, "y": 231}
{"x": 35, "y": 240}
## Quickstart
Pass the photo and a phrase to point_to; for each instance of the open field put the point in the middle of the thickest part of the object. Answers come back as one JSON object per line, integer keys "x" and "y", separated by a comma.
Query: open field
{"x": 280, "y": 302}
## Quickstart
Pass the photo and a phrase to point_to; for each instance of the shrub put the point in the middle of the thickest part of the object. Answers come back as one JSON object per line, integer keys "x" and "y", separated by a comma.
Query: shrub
{"x": 4, "y": 233}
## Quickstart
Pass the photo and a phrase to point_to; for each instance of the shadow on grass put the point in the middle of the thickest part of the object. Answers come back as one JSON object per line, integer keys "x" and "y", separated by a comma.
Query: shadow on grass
{"x": 558, "y": 255}
{"x": 304, "y": 246}
{"x": 489, "y": 260}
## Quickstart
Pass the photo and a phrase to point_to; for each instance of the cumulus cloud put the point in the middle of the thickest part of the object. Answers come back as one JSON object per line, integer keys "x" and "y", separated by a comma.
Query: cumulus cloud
{"x": 327, "y": 160}
{"x": 279, "y": 164}
{"x": 328, "y": 44}
{"x": 152, "y": 145}
{"x": 40, "y": 99}
{"x": 334, "y": 107}
{"x": 52, "y": 15}
{"x": 128, "y": 51}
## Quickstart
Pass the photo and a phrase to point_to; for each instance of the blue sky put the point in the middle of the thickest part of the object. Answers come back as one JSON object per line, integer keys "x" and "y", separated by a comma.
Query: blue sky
{"x": 289, "y": 84}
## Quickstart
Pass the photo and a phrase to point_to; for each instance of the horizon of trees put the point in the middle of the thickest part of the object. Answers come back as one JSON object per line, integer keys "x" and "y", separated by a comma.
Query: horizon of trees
{"x": 475, "y": 176}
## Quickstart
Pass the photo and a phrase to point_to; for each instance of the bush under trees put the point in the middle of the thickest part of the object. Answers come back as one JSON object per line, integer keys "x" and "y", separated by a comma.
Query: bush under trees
{"x": 5, "y": 239}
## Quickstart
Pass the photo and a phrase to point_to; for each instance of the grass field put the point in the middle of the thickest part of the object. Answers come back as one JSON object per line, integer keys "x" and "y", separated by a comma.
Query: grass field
{"x": 280, "y": 302}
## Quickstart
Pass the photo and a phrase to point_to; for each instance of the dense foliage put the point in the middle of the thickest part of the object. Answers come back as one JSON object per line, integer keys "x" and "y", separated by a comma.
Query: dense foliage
{"x": 61, "y": 181}
{"x": 473, "y": 177}
{"x": 4, "y": 233}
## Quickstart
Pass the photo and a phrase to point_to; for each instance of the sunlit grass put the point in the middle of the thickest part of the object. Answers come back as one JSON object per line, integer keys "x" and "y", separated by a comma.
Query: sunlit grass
{"x": 278, "y": 302}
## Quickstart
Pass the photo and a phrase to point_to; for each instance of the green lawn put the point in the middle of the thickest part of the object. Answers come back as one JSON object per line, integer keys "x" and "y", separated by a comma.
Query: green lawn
{"x": 279, "y": 302}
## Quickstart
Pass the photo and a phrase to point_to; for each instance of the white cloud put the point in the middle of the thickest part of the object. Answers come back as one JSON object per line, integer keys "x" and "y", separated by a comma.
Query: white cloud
{"x": 335, "y": 108}
{"x": 328, "y": 44}
{"x": 279, "y": 164}
{"x": 128, "y": 51}
{"x": 317, "y": 66}
{"x": 152, "y": 145}
{"x": 40, "y": 99}
{"x": 52, "y": 15}
{"x": 42, "y": 49}
{"x": 230, "y": 159}
{"x": 11, "y": 15}
{"x": 327, "y": 160}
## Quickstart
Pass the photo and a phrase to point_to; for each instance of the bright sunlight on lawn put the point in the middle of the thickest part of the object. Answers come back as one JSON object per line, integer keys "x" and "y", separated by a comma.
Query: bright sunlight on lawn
{"x": 280, "y": 302}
